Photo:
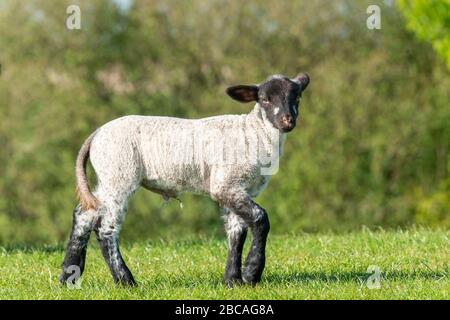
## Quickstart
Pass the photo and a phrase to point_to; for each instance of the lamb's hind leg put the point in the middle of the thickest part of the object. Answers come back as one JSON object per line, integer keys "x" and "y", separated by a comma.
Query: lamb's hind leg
{"x": 74, "y": 261}
{"x": 236, "y": 232}
{"x": 107, "y": 231}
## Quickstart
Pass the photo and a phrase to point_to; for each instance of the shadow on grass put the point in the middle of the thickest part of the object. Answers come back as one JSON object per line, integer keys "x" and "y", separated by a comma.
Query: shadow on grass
{"x": 60, "y": 247}
{"x": 296, "y": 278}
{"x": 350, "y": 276}
{"x": 15, "y": 248}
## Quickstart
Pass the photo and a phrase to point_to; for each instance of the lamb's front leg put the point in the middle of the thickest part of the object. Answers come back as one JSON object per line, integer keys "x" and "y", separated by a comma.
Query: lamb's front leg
{"x": 236, "y": 230}
{"x": 257, "y": 219}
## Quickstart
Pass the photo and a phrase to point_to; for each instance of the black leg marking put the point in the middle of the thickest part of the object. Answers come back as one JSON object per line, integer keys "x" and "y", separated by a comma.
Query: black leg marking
{"x": 236, "y": 232}
{"x": 257, "y": 219}
{"x": 109, "y": 244}
{"x": 255, "y": 262}
{"x": 77, "y": 245}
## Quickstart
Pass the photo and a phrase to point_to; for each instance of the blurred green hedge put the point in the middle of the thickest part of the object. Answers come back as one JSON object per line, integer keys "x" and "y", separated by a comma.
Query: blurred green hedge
{"x": 372, "y": 146}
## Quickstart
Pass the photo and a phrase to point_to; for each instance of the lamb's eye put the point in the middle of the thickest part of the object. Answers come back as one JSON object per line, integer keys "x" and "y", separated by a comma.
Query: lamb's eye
{"x": 265, "y": 100}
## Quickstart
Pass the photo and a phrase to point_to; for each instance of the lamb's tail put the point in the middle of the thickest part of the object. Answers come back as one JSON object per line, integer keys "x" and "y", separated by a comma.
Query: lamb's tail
{"x": 87, "y": 199}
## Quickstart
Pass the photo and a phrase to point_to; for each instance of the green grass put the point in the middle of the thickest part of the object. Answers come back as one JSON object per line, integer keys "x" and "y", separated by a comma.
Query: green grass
{"x": 413, "y": 263}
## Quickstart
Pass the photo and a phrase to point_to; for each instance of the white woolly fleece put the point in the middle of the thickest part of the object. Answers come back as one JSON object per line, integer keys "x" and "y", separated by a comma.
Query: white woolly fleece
{"x": 213, "y": 156}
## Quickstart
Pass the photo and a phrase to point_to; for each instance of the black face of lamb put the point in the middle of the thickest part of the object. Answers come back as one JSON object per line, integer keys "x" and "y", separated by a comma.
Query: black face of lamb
{"x": 280, "y": 99}
{"x": 279, "y": 96}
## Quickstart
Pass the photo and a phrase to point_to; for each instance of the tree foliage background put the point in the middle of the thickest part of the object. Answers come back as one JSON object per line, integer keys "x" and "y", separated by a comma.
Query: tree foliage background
{"x": 371, "y": 148}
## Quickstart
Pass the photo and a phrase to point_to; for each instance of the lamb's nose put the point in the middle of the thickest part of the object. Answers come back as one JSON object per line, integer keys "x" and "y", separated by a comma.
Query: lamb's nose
{"x": 287, "y": 120}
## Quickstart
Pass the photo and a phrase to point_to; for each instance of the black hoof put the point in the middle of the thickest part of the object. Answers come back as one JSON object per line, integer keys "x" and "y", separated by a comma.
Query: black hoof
{"x": 233, "y": 281}
{"x": 126, "y": 281}
{"x": 251, "y": 279}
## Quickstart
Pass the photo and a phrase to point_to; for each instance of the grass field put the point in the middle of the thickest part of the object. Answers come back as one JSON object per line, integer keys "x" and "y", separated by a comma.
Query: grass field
{"x": 414, "y": 264}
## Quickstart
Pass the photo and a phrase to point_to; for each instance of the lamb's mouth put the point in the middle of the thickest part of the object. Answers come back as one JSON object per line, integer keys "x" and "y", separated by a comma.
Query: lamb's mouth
{"x": 286, "y": 129}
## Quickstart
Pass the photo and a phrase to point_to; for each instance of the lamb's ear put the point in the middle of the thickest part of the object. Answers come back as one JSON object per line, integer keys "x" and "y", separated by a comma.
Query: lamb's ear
{"x": 302, "y": 79}
{"x": 243, "y": 93}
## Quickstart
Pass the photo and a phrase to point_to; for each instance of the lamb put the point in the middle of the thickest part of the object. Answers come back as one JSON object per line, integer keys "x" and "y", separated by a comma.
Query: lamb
{"x": 229, "y": 158}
